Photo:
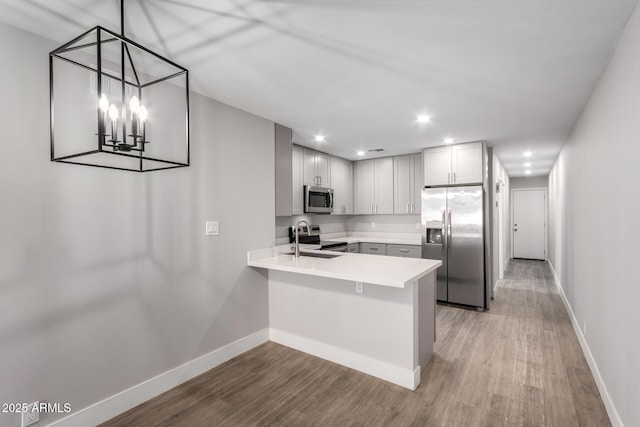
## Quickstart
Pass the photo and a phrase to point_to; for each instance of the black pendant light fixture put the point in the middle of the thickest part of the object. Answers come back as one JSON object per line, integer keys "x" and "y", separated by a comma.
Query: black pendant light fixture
{"x": 116, "y": 104}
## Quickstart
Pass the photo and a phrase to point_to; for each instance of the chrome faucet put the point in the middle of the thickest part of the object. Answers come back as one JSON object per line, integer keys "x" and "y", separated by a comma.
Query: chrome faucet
{"x": 296, "y": 231}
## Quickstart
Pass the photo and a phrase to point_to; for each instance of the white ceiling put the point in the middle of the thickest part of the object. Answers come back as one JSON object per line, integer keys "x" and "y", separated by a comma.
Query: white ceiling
{"x": 515, "y": 73}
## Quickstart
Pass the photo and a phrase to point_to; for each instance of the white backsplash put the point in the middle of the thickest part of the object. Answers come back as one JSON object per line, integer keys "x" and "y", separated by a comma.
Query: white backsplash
{"x": 334, "y": 225}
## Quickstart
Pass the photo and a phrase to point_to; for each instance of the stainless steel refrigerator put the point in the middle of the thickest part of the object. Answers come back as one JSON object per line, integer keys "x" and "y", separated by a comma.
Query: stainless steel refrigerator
{"x": 453, "y": 231}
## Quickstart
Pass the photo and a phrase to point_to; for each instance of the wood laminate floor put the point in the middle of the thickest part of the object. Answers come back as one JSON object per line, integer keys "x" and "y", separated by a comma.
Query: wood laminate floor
{"x": 518, "y": 364}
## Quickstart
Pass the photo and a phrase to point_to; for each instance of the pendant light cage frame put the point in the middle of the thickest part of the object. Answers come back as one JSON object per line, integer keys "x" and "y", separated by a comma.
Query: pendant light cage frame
{"x": 101, "y": 67}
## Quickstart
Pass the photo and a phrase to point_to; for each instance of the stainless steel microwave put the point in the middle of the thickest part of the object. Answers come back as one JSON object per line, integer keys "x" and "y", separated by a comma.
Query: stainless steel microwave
{"x": 318, "y": 199}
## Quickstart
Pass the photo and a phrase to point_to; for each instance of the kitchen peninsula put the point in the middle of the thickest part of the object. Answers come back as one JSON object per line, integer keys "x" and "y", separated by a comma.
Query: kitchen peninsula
{"x": 375, "y": 314}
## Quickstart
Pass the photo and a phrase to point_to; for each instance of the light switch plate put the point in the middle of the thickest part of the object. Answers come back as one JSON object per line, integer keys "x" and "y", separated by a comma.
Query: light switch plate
{"x": 212, "y": 228}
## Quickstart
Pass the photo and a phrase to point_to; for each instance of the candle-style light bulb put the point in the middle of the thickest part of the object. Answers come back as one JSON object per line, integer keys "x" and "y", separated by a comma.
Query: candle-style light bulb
{"x": 104, "y": 103}
{"x": 142, "y": 113}
{"x": 113, "y": 115}
{"x": 134, "y": 104}
{"x": 104, "y": 107}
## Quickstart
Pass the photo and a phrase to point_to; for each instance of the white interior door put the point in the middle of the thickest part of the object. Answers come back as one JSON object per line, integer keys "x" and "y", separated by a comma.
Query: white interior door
{"x": 529, "y": 218}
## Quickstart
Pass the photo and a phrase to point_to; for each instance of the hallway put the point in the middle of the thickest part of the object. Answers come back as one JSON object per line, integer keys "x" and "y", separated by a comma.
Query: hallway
{"x": 518, "y": 364}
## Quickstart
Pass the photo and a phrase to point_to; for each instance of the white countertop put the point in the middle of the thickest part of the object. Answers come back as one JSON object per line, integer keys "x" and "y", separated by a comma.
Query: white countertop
{"x": 386, "y": 240}
{"x": 374, "y": 269}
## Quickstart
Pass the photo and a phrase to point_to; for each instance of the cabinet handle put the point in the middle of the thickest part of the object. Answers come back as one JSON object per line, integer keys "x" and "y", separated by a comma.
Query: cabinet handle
{"x": 320, "y": 179}
{"x": 408, "y": 210}
{"x": 413, "y": 207}
{"x": 454, "y": 178}
{"x": 373, "y": 249}
{"x": 448, "y": 177}
{"x": 404, "y": 251}
{"x": 371, "y": 208}
{"x": 376, "y": 208}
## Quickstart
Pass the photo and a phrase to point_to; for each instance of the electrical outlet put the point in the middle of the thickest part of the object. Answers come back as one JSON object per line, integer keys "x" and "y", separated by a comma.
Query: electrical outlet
{"x": 584, "y": 328}
{"x": 31, "y": 415}
{"x": 373, "y": 225}
{"x": 212, "y": 228}
{"x": 359, "y": 288}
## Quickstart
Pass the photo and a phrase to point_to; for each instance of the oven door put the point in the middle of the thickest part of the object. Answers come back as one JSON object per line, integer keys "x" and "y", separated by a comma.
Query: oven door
{"x": 318, "y": 199}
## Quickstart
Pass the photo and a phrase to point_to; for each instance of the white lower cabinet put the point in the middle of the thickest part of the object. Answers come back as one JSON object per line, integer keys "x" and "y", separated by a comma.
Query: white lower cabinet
{"x": 353, "y": 248}
{"x": 404, "y": 251}
{"x": 373, "y": 248}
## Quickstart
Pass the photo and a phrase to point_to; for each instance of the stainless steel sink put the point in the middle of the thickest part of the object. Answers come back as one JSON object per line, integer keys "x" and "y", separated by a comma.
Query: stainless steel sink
{"x": 316, "y": 255}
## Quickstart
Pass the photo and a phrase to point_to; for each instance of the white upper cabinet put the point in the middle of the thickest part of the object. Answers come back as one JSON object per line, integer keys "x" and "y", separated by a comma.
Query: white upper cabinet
{"x": 407, "y": 184}
{"x": 342, "y": 184}
{"x": 297, "y": 191}
{"x": 437, "y": 166}
{"x": 457, "y": 164}
{"x": 288, "y": 176}
{"x": 418, "y": 182}
{"x": 374, "y": 186}
{"x": 316, "y": 168}
{"x": 466, "y": 163}
{"x": 384, "y": 185}
{"x": 364, "y": 184}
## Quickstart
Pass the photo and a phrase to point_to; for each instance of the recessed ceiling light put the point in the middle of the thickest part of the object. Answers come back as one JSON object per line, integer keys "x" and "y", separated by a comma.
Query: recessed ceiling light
{"x": 360, "y": 153}
{"x": 423, "y": 118}
{"x": 527, "y": 165}
{"x": 527, "y": 153}
{"x": 319, "y": 138}
{"x": 527, "y": 172}
{"x": 448, "y": 140}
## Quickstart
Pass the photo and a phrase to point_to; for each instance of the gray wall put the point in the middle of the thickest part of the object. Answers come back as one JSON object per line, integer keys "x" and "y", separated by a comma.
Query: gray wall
{"x": 530, "y": 182}
{"x": 106, "y": 278}
{"x": 594, "y": 215}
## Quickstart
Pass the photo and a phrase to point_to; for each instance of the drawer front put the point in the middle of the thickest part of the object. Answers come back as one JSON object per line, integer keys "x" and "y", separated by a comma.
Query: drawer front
{"x": 353, "y": 248}
{"x": 405, "y": 251}
{"x": 373, "y": 248}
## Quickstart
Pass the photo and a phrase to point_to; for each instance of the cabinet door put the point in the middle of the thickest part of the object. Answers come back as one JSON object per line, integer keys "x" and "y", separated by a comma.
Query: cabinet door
{"x": 347, "y": 187}
{"x": 437, "y": 166}
{"x": 297, "y": 194}
{"x": 322, "y": 170}
{"x": 364, "y": 174}
{"x": 353, "y": 248}
{"x": 373, "y": 248}
{"x": 402, "y": 184}
{"x": 383, "y": 185}
{"x": 404, "y": 251}
{"x": 283, "y": 148}
{"x": 466, "y": 163}
{"x": 310, "y": 175}
{"x": 417, "y": 182}
{"x": 336, "y": 172}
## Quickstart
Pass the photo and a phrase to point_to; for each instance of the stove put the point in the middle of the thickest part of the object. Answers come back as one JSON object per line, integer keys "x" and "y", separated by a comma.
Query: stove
{"x": 313, "y": 238}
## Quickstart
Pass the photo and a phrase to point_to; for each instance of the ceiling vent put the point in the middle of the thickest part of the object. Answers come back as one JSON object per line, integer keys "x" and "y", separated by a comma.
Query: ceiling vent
{"x": 375, "y": 150}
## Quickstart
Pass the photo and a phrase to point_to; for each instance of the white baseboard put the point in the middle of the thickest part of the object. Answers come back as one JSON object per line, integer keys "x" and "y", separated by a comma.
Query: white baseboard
{"x": 114, "y": 405}
{"x": 408, "y": 378}
{"x": 614, "y": 417}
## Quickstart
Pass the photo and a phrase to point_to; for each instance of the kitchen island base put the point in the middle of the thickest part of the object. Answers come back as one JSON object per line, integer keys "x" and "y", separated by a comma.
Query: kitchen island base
{"x": 387, "y": 332}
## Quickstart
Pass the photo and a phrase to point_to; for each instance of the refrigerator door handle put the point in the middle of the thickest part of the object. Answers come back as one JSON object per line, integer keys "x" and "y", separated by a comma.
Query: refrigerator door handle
{"x": 449, "y": 239}
{"x": 444, "y": 235}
